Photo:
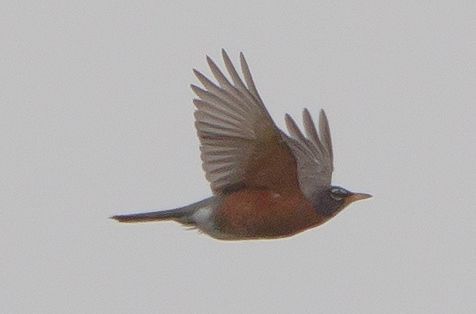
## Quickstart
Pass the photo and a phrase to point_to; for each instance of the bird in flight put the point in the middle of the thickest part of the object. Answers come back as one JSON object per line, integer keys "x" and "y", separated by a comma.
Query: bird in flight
{"x": 266, "y": 184}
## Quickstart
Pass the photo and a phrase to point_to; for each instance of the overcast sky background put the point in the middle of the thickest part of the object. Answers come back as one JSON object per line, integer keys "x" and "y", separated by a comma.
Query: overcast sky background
{"x": 96, "y": 119}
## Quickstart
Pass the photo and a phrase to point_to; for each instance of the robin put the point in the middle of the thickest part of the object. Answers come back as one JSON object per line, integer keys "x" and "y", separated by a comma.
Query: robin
{"x": 266, "y": 184}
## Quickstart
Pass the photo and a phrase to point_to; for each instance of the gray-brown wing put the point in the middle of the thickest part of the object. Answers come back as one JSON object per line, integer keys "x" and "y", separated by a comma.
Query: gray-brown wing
{"x": 313, "y": 152}
{"x": 240, "y": 144}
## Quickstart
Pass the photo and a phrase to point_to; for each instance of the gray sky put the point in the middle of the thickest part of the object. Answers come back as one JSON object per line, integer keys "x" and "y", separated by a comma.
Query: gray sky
{"x": 96, "y": 119}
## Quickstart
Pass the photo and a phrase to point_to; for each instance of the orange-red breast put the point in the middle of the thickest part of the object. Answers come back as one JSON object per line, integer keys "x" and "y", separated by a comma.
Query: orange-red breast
{"x": 265, "y": 183}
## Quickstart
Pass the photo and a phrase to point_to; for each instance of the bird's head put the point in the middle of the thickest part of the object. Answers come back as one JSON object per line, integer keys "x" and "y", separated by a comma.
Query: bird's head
{"x": 332, "y": 200}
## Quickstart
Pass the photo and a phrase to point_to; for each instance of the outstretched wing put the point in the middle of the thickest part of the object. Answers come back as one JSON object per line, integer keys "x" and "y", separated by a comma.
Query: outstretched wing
{"x": 313, "y": 152}
{"x": 240, "y": 144}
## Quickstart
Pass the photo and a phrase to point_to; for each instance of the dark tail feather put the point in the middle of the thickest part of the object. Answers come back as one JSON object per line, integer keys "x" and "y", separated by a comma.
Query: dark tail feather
{"x": 182, "y": 214}
{"x": 151, "y": 216}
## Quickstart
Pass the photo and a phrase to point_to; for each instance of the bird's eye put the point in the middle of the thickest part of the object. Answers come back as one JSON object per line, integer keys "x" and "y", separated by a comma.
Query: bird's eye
{"x": 338, "y": 193}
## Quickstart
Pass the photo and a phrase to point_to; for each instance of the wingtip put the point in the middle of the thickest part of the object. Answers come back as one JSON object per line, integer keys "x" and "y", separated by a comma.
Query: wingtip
{"x": 323, "y": 117}
{"x": 195, "y": 88}
{"x": 199, "y": 76}
{"x": 290, "y": 123}
{"x": 307, "y": 118}
{"x": 242, "y": 59}
{"x": 225, "y": 55}
{"x": 212, "y": 64}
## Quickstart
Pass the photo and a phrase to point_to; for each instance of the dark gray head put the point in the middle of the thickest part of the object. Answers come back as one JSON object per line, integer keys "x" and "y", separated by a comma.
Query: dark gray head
{"x": 332, "y": 200}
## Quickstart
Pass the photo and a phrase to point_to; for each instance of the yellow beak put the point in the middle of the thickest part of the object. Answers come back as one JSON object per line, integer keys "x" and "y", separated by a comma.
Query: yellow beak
{"x": 357, "y": 197}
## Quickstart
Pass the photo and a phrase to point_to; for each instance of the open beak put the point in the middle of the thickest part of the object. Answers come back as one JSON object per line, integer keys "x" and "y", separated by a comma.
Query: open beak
{"x": 357, "y": 197}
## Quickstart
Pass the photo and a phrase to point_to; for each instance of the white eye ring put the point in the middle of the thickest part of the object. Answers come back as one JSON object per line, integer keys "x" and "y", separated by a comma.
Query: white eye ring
{"x": 338, "y": 193}
{"x": 336, "y": 197}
